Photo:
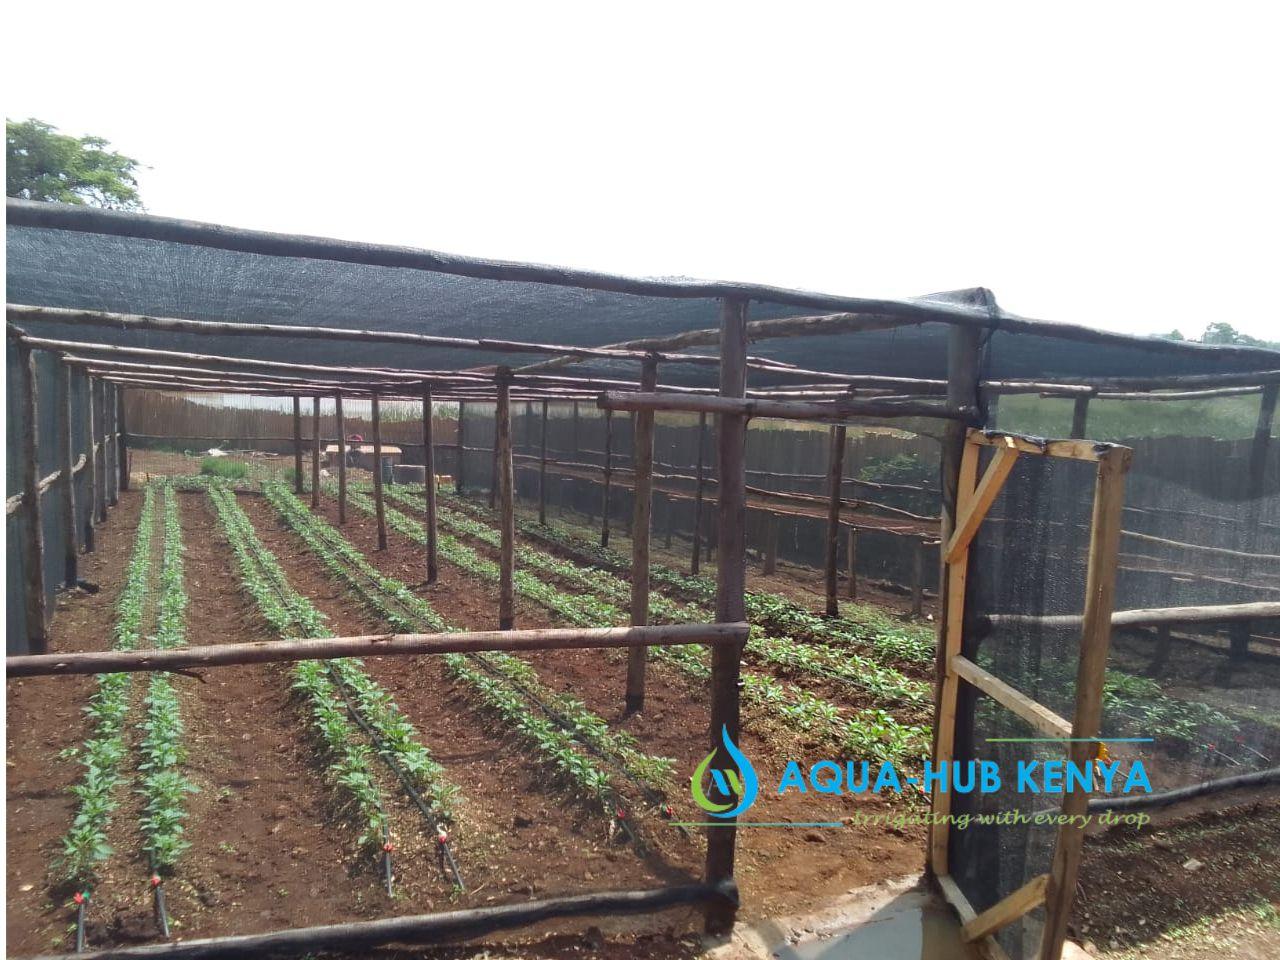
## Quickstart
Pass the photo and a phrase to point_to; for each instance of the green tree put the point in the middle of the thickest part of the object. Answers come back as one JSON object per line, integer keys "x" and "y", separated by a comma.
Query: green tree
{"x": 42, "y": 164}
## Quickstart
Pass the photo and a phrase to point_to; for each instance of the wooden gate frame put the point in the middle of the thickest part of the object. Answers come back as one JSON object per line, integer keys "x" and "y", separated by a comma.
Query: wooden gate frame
{"x": 974, "y": 497}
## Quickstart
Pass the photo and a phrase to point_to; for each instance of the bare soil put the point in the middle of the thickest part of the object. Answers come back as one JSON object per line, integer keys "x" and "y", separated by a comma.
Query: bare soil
{"x": 1141, "y": 892}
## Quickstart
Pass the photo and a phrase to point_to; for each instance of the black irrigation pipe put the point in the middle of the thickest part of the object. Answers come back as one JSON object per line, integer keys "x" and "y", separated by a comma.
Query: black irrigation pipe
{"x": 157, "y": 893}
{"x": 1259, "y": 778}
{"x": 433, "y": 816}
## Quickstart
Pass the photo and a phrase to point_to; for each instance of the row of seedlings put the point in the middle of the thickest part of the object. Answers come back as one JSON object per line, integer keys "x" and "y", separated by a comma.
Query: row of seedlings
{"x": 347, "y": 710}
{"x": 1138, "y": 702}
{"x": 103, "y": 755}
{"x": 566, "y": 736}
{"x": 872, "y": 733}
{"x": 164, "y": 785}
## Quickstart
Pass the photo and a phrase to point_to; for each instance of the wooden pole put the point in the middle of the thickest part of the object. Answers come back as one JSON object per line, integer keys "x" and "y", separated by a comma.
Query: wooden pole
{"x": 342, "y": 457}
{"x": 731, "y": 584}
{"x": 1095, "y": 641}
{"x": 1079, "y": 417}
{"x": 835, "y": 475}
{"x": 493, "y": 459}
{"x": 66, "y": 450}
{"x": 32, "y": 514}
{"x": 379, "y": 508}
{"x": 770, "y": 545}
{"x": 91, "y": 474}
{"x": 641, "y": 530}
{"x": 457, "y": 467}
{"x": 851, "y": 564}
{"x": 576, "y": 437}
{"x": 121, "y": 440}
{"x": 963, "y": 361}
{"x": 1241, "y": 632}
{"x": 111, "y": 404}
{"x": 542, "y": 471}
{"x": 429, "y": 478}
{"x": 608, "y": 477}
{"x": 315, "y": 453}
{"x": 297, "y": 445}
{"x": 917, "y": 580}
{"x": 696, "y": 560}
{"x": 99, "y": 407}
{"x": 837, "y": 409}
{"x": 507, "y": 517}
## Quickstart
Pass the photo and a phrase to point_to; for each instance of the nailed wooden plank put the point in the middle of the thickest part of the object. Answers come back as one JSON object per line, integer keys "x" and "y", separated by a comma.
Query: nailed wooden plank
{"x": 835, "y": 471}
{"x": 1095, "y": 641}
{"x": 960, "y": 903}
{"x": 32, "y": 526}
{"x": 1017, "y": 904}
{"x": 641, "y": 531}
{"x": 379, "y": 506}
{"x": 989, "y": 487}
{"x": 1036, "y": 714}
{"x": 506, "y": 497}
{"x": 429, "y": 469}
{"x": 342, "y": 457}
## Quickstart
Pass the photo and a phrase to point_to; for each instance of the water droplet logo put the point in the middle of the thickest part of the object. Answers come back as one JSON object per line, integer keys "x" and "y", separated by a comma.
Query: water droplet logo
{"x": 740, "y": 783}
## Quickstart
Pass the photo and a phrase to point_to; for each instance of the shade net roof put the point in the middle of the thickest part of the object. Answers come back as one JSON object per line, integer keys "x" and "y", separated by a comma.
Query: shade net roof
{"x": 113, "y": 262}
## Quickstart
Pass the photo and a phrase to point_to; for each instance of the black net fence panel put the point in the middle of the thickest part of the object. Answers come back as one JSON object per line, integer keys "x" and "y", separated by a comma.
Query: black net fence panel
{"x": 1029, "y": 560}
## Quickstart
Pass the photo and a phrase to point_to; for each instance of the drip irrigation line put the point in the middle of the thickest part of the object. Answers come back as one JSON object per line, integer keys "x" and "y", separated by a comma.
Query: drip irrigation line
{"x": 157, "y": 893}
{"x": 82, "y": 903}
{"x": 433, "y": 816}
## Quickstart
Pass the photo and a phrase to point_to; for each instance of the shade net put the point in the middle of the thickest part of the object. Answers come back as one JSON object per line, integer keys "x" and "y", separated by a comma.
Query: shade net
{"x": 1201, "y": 527}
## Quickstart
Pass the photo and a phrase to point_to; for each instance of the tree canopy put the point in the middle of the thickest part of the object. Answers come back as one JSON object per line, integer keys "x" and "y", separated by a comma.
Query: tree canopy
{"x": 42, "y": 164}
{"x": 1222, "y": 332}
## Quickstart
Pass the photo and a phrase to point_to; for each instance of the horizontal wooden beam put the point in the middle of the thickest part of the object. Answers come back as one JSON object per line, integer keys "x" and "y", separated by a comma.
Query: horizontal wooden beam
{"x": 778, "y": 409}
{"x": 22, "y": 313}
{"x": 1036, "y": 714}
{"x": 14, "y": 503}
{"x": 361, "y": 937}
{"x": 1065, "y": 449}
{"x": 377, "y": 645}
{"x": 1155, "y": 616}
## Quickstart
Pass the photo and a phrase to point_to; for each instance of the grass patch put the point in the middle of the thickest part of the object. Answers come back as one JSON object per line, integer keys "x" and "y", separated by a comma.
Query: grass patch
{"x": 224, "y": 467}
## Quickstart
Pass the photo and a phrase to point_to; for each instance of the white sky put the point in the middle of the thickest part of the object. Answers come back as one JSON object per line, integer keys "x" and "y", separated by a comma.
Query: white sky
{"x": 1110, "y": 164}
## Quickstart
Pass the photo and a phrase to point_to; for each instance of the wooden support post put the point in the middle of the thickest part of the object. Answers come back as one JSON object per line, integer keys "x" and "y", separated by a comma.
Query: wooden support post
{"x": 963, "y": 356}
{"x": 1164, "y": 647}
{"x": 731, "y": 585}
{"x": 576, "y": 439}
{"x": 378, "y": 506}
{"x": 1080, "y": 417}
{"x": 67, "y": 456}
{"x": 32, "y": 525}
{"x": 608, "y": 478}
{"x": 641, "y": 529}
{"x": 696, "y": 560}
{"x": 917, "y": 580}
{"x": 342, "y": 457}
{"x": 542, "y": 470}
{"x": 99, "y": 407}
{"x": 770, "y": 545}
{"x": 457, "y": 467}
{"x": 429, "y": 477}
{"x": 91, "y": 466}
{"x": 669, "y": 521}
{"x": 1095, "y": 642}
{"x": 297, "y": 445}
{"x": 851, "y": 564}
{"x": 111, "y": 393}
{"x": 315, "y": 453}
{"x": 122, "y": 440}
{"x": 507, "y": 515}
{"x": 835, "y": 479}
{"x": 1262, "y": 440}
{"x": 493, "y": 462}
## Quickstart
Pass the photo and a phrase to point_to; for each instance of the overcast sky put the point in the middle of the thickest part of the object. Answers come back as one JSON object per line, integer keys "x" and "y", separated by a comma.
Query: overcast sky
{"x": 1114, "y": 165}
